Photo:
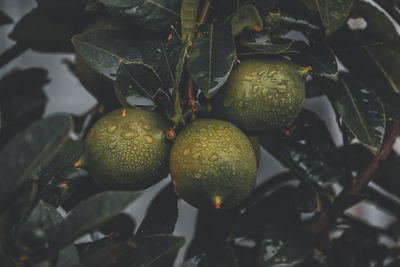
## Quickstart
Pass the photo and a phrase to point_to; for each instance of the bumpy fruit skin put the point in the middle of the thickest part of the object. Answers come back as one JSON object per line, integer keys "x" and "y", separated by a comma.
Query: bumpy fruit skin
{"x": 127, "y": 149}
{"x": 256, "y": 147}
{"x": 262, "y": 95}
{"x": 212, "y": 164}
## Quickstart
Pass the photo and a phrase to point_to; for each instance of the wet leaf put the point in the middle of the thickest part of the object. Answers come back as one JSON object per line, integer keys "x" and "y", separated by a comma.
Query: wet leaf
{"x": 149, "y": 14}
{"x": 29, "y": 150}
{"x": 162, "y": 214}
{"x": 141, "y": 85}
{"x": 319, "y": 56}
{"x": 189, "y": 10}
{"x": 247, "y": 17}
{"x": 63, "y": 10}
{"x": 196, "y": 261}
{"x": 212, "y": 58}
{"x": 361, "y": 110}
{"x": 22, "y": 100}
{"x": 5, "y": 19}
{"x": 284, "y": 246}
{"x": 333, "y": 13}
{"x": 103, "y": 50}
{"x": 293, "y": 20}
{"x": 260, "y": 42}
{"x": 89, "y": 214}
{"x": 40, "y": 33}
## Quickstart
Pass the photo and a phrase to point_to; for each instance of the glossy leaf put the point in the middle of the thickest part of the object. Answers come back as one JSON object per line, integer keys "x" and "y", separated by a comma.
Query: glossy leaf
{"x": 149, "y": 14}
{"x": 212, "y": 58}
{"x": 105, "y": 256}
{"x": 63, "y": 10}
{"x": 89, "y": 214}
{"x": 189, "y": 10}
{"x": 293, "y": 20}
{"x": 141, "y": 85}
{"x": 361, "y": 110}
{"x": 247, "y": 17}
{"x": 162, "y": 214}
{"x": 26, "y": 152}
{"x": 22, "y": 100}
{"x": 4, "y": 19}
{"x": 319, "y": 56}
{"x": 334, "y": 13}
{"x": 104, "y": 50}
{"x": 260, "y": 42}
{"x": 284, "y": 246}
{"x": 40, "y": 33}
{"x": 196, "y": 261}
{"x": 380, "y": 28}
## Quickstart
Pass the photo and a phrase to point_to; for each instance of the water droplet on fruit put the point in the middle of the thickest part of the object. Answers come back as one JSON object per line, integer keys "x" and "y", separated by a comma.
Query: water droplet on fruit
{"x": 186, "y": 152}
{"x": 197, "y": 175}
{"x": 111, "y": 129}
{"x": 148, "y": 139}
{"x": 147, "y": 128}
{"x": 213, "y": 157}
{"x": 129, "y": 135}
{"x": 261, "y": 73}
{"x": 248, "y": 78}
{"x": 112, "y": 145}
{"x": 241, "y": 104}
{"x": 282, "y": 89}
{"x": 196, "y": 156}
{"x": 135, "y": 142}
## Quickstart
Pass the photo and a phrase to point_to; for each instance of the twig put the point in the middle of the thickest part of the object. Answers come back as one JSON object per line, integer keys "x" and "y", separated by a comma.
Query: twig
{"x": 328, "y": 217}
{"x": 205, "y": 12}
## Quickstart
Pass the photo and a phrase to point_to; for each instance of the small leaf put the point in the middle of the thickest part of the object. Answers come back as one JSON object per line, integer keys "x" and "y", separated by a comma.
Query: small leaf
{"x": 189, "y": 10}
{"x": 150, "y": 14}
{"x": 334, "y": 13}
{"x": 40, "y": 33}
{"x": 360, "y": 109}
{"x": 212, "y": 58}
{"x": 162, "y": 214}
{"x": 247, "y": 17}
{"x": 99, "y": 50}
{"x": 141, "y": 85}
{"x": 196, "y": 261}
{"x": 319, "y": 56}
{"x": 284, "y": 246}
{"x": 260, "y": 42}
{"x": 4, "y": 19}
{"x": 63, "y": 10}
{"x": 105, "y": 256}
{"x": 26, "y": 152}
{"x": 89, "y": 214}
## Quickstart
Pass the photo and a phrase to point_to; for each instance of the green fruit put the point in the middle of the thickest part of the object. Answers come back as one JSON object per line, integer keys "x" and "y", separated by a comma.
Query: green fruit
{"x": 127, "y": 149}
{"x": 213, "y": 164}
{"x": 262, "y": 95}
{"x": 256, "y": 147}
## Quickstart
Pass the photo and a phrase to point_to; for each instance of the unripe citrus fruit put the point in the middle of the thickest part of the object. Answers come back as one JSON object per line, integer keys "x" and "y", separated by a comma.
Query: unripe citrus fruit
{"x": 127, "y": 149}
{"x": 262, "y": 95}
{"x": 212, "y": 164}
{"x": 256, "y": 147}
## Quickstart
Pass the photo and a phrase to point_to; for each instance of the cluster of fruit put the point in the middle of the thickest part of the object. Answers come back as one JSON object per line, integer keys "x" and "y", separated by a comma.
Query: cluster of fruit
{"x": 212, "y": 162}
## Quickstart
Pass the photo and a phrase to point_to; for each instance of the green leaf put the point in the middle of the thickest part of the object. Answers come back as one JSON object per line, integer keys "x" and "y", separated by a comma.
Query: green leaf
{"x": 293, "y": 20}
{"x": 310, "y": 4}
{"x": 103, "y": 50}
{"x": 263, "y": 6}
{"x": 63, "y": 10}
{"x": 105, "y": 256}
{"x": 319, "y": 56}
{"x": 380, "y": 28}
{"x": 196, "y": 261}
{"x": 212, "y": 58}
{"x": 22, "y": 100}
{"x": 334, "y": 13}
{"x": 141, "y": 85}
{"x": 247, "y": 17}
{"x": 162, "y": 214}
{"x": 150, "y": 14}
{"x": 89, "y": 214}
{"x": 26, "y": 152}
{"x": 260, "y": 42}
{"x": 5, "y": 19}
{"x": 361, "y": 110}
{"x": 40, "y": 33}
{"x": 189, "y": 10}
{"x": 284, "y": 246}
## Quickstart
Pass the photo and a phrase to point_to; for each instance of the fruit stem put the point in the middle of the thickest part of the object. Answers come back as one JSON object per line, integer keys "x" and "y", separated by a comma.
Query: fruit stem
{"x": 217, "y": 202}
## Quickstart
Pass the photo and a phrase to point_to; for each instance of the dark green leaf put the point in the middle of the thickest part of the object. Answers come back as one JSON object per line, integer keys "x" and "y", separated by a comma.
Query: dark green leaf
{"x": 360, "y": 109}
{"x": 284, "y": 246}
{"x": 196, "y": 261}
{"x": 141, "y": 86}
{"x": 189, "y": 10}
{"x": 4, "y": 19}
{"x": 22, "y": 100}
{"x": 103, "y": 50}
{"x": 89, "y": 214}
{"x": 263, "y": 6}
{"x": 150, "y": 14}
{"x": 162, "y": 214}
{"x": 26, "y": 152}
{"x": 260, "y": 42}
{"x": 42, "y": 34}
{"x": 247, "y": 17}
{"x": 319, "y": 56}
{"x": 212, "y": 58}
{"x": 310, "y": 4}
{"x": 63, "y": 10}
{"x": 105, "y": 256}
{"x": 333, "y": 13}
{"x": 387, "y": 175}
{"x": 293, "y": 20}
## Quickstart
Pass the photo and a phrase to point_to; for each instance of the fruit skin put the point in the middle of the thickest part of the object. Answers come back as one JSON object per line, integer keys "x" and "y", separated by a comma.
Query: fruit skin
{"x": 127, "y": 152}
{"x": 256, "y": 147}
{"x": 212, "y": 164}
{"x": 262, "y": 95}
